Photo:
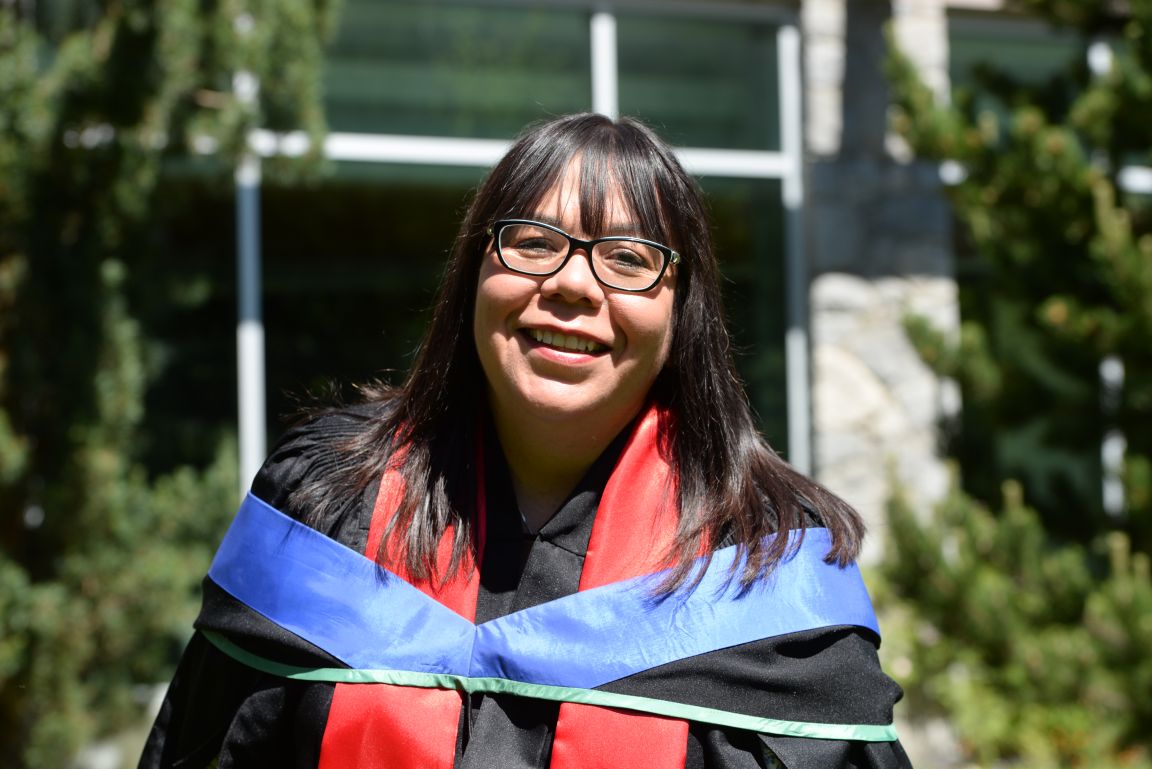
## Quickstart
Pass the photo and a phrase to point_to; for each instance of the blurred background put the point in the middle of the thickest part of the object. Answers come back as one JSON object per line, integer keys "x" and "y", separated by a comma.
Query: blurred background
{"x": 934, "y": 219}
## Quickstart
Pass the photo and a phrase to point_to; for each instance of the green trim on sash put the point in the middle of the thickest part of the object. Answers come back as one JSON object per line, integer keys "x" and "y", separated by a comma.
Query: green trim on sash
{"x": 863, "y": 732}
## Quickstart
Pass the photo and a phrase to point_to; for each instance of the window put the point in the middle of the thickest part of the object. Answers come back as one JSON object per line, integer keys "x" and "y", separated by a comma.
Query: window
{"x": 421, "y": 99}
{"x": 701, "y": 83}
{"x": 433, "y": 69}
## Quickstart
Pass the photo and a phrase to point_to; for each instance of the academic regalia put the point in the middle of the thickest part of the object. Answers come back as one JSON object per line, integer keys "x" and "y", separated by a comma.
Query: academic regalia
{"x": 244, "y": 693}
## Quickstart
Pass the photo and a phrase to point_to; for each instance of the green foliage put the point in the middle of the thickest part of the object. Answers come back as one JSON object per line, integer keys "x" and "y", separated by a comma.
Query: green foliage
{"x": 99, "y": 560}
{"x": 1027, "y": 627}
{"x": 1055, "y": 269}
{"x": 78, "y": 645}
{"x": 1036, "y": 653}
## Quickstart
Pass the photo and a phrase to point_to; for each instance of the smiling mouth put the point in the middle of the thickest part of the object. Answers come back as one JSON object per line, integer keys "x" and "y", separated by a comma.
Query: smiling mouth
{"x": 565, "y": 341}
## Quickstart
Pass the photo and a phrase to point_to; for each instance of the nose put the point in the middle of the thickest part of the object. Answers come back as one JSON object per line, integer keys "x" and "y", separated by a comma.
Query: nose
{"x": 575, "y": 282}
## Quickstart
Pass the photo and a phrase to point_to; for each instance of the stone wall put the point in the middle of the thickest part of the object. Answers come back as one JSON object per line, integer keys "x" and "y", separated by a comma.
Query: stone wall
{"x": 875, "y": 405}
{"x": 879, "y": 234}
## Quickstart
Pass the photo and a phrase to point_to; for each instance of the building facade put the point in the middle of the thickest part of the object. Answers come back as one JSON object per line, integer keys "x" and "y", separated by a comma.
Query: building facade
{"x": 828, "y": 234}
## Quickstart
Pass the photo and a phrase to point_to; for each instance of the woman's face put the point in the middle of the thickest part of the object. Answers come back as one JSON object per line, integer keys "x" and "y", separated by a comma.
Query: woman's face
{"x": 566, "y": 346}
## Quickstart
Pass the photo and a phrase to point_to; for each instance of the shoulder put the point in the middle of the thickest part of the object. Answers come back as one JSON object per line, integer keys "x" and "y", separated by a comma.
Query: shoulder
{"x": 312, "y": 450}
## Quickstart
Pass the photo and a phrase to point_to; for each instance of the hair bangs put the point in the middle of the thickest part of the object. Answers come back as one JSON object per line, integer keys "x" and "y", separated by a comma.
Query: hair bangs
{"x": 612, "y": 159}
{"x": 534, "y": 166}
{"x": 616, "y": 167}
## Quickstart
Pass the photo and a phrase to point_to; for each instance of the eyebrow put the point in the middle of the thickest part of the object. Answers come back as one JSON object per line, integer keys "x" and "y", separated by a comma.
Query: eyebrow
{"x": 625, "y": 228}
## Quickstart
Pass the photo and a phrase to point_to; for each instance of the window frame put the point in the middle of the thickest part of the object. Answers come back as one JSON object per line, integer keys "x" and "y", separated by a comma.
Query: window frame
{"x": 784, "y": 165}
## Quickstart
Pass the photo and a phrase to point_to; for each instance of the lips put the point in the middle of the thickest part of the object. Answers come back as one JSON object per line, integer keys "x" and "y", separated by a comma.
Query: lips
{"x": 566, "y": 342}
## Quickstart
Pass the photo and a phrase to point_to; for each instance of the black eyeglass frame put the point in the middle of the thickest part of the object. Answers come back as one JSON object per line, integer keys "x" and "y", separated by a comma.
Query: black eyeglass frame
{"x": 670, "y": 256}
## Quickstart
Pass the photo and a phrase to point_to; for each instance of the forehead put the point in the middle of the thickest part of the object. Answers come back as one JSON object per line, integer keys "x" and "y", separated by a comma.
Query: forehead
{"x": 578, "y": 202}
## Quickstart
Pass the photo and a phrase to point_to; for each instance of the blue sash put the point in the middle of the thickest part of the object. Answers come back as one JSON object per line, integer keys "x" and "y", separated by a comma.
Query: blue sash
{"x": 370, "y": 619}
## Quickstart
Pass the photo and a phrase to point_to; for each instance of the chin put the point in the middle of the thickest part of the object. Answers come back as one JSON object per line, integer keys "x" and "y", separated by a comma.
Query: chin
{"x": 586, "y": 412}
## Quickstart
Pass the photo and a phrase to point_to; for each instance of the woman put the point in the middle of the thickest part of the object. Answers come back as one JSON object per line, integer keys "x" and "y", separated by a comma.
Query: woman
{"x": 578, "y": 518}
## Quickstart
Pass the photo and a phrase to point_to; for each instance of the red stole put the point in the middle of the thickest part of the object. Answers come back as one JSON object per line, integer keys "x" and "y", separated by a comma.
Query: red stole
{"x": 380, "y": 726}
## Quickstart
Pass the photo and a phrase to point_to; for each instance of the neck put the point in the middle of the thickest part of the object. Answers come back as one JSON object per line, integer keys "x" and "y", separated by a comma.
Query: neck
{"x": 547, "y": 460}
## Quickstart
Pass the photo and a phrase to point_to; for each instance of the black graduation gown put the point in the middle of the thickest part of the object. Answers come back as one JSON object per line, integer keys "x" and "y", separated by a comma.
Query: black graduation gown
{"x": 218, "y": 709}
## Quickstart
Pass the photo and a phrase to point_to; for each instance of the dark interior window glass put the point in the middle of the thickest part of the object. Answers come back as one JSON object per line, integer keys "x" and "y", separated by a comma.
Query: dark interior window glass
{"x": 701, "y": 82}
{"x": 748, "y": 229}
{"x": 443, "y": 70}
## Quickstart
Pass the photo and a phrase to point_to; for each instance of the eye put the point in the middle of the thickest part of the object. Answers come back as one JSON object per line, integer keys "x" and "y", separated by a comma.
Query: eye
{"x": 533, "y": 244}
{"x": 530, "y": 241}
{"x": 624, "y": 256}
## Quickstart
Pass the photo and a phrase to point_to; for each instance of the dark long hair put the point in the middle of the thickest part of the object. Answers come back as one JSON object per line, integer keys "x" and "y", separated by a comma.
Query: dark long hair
{"x": 732, "y": 486}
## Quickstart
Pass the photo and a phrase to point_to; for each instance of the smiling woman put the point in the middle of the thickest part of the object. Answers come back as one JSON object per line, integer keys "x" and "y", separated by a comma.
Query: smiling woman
{"x": 568, "y": 359}
{"x": 473, "y": 570}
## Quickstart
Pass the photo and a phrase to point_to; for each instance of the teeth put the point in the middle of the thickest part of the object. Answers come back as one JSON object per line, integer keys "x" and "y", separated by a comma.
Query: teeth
{"x": 564, "y": 341}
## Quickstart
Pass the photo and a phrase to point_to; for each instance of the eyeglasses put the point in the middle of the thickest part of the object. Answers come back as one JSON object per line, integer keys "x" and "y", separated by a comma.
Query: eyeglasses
{"x": 535, "y": 248}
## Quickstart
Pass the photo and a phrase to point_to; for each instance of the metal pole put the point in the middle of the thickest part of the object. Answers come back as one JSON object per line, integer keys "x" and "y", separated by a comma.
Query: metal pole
{"x": 605, "y": 99}
{"x": 796, "y": 337}
{"x": 250, "y": 323}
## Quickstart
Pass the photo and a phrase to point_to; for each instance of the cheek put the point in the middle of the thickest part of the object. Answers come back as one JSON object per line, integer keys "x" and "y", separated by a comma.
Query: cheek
{"x": 649, "y": 329}
{"x": 667, "y": 329}
{"x": 480, "y": 312}
{"x": 667, "y": 348}
{"x": 491, "y": 297}
{"x": 501, "y": 298}
{"x": 484, "y": 315}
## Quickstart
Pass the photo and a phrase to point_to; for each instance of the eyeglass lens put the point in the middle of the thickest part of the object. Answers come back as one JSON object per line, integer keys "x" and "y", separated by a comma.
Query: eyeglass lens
{"x": 539, "y": 250}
